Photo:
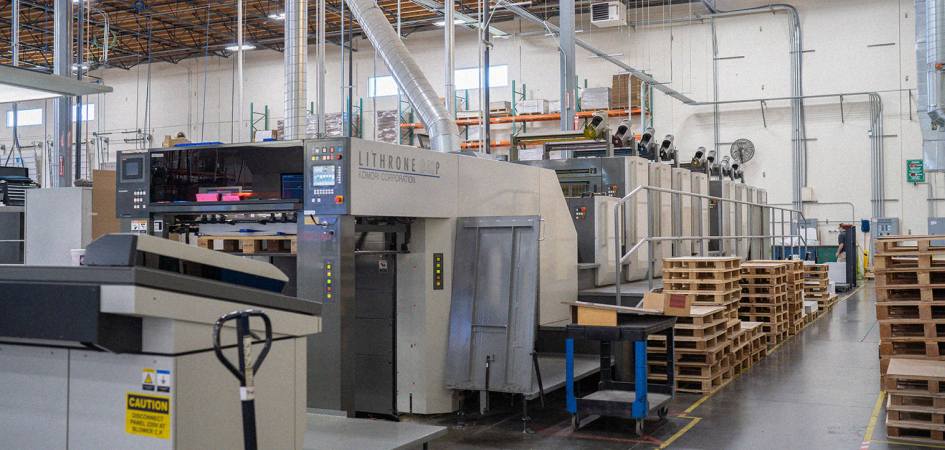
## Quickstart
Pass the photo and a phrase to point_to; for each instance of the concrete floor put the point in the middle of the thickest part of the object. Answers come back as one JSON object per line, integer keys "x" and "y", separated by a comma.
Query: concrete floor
{"x": 819, "y": 390}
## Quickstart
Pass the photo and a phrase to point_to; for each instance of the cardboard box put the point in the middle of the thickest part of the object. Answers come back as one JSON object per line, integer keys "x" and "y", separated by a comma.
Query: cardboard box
{"x": 172, "y": 141}
{"x": 104, "y": 216}
{"x": 593, "y": 99}
{"x": 619, "y": 97}
{"x": 535, "y": 106}
{"x": 678, "y": 305}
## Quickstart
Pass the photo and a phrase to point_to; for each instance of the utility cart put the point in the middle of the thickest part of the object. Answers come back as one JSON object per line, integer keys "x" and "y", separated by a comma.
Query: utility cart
{"x": 634, "y": 397}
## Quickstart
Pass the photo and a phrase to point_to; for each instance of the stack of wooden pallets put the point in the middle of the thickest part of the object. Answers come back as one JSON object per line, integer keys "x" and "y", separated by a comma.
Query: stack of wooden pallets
{"x": 796, "y": 296}
{"x": 916, "y": 406}
{"x": 701, "y": 344}
{"x": 765, "y": 298}
{"x": 795, "y": 291}
{"x": 711, "y": 280}
{"x": 910, "y": 298}
{"x": 817, "y": 286}
{"x": 759, "y": 341}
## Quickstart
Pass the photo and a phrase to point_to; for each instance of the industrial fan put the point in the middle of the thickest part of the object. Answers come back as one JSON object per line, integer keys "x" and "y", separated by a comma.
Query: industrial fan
{"x": 742, "y": 150}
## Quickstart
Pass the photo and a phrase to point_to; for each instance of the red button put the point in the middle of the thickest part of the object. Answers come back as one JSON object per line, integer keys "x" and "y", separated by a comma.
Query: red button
{"x": 338, "y": 156}
{"x": 339, "y": 199}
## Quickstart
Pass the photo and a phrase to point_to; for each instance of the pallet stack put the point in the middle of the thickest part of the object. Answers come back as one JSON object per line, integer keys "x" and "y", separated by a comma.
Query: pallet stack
{"x": 795, "y": 290}
{"x": 817, "y": 286}
{"x": 701, "y": 346}
{"x": 765, "y": 298}
{"x": 916, "y": 406}
{"x": 910, "y": 298}
{"x": 711, "y": 280}
{"x": 796, "y": 296}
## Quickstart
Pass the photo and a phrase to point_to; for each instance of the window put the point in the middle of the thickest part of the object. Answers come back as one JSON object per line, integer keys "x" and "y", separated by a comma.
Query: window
{"x": 88, "y": 112}
{"x": 469, "y": 78}
{"x": 25, "y": 117}
{"x": 382, "y": 86}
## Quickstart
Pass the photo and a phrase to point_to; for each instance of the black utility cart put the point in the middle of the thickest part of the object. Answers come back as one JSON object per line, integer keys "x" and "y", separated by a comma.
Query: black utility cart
{"x": 635, "y": 399}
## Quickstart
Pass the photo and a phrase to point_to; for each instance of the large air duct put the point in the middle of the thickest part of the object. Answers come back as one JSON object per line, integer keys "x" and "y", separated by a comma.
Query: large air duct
{"x": 444, "y": 135}
{"x": 930, "y": 58}
{"x": 296, "y": 54}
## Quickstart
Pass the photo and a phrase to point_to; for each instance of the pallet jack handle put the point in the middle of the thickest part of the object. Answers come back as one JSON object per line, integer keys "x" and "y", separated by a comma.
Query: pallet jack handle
{"x": 246, "y": 367}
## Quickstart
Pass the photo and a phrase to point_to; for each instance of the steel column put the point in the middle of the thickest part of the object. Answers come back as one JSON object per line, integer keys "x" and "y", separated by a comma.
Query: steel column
{"x": 566, "y": 68}
{"x": 62, "y": 110}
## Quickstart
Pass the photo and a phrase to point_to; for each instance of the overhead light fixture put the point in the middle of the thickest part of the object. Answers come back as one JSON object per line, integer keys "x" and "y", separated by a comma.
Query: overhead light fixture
{"x": 277, "y": 16}
{"x": 18, "y": 85}
{"x": 455, "y": 22}
{"x": 236, "y": 48}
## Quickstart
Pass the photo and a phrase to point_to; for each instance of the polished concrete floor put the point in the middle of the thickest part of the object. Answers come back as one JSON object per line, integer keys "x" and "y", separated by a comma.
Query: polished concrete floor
{"x": 819, "y": 390}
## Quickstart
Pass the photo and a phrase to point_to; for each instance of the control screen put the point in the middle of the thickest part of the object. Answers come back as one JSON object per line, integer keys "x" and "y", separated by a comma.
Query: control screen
{"x": 323, "y": 175}
{"x": 131, "y": 169}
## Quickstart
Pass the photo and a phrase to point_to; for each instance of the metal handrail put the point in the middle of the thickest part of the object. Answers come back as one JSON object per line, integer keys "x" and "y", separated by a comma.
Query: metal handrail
{"x": 620, "y": 214}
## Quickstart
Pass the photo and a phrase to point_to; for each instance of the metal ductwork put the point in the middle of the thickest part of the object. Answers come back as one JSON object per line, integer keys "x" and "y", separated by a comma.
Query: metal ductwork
{"x": 930, "y": 58}
{"x": 444, "y": 135}
{"x": 296, "y": 55}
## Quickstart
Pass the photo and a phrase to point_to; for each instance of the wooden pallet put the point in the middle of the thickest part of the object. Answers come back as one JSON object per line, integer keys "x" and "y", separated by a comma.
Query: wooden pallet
{"x": 708, "y": 263}
{"x": 909, "y": 310}
{"x": 908, "y": 245}
{"x": 249, "y": 244}
{"x": 699, "y": 385}
{"x": 911, "y": 277}
{"x": 766, "y": 289}
{"x": 902, "y": 329}
{"x": 763, "y": 268}
{"x": 715, "y": 298}
{"x": 702, "y": 286}
{"x": 916, "y": 293}
{"x": 919, "y": 347}
{"x": 700, "y": 331}
{"x": 916, "y": 431}
{"x": 701, "y": 274}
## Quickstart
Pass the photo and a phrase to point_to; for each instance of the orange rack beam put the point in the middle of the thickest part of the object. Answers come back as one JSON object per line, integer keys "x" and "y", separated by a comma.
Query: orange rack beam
{"x": 526, "y": 118}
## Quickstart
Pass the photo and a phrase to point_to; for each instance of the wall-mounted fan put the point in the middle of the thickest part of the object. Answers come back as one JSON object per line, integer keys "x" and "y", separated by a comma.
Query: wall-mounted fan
{"x": 742, "y": 150}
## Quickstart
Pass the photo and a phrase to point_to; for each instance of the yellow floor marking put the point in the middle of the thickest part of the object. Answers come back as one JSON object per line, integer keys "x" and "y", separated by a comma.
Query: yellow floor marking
{"x": 693, "y": 421}
{"x": 874, "y": 417}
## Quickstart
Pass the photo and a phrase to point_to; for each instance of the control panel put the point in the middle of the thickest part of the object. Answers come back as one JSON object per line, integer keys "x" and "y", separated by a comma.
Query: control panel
{"x": 132, "y": 196}
{"x": 326, "y": 176}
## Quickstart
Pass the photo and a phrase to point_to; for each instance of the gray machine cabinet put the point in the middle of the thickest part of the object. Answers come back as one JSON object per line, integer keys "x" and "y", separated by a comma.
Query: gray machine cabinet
{"x": 494, "y": 304}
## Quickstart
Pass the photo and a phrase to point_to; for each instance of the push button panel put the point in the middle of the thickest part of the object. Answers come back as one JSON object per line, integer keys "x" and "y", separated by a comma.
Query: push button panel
{"x": 326, "y": 177}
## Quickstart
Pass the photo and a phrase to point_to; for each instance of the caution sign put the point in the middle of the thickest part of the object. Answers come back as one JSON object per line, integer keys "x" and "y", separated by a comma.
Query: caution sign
{"x": 148, "y": 415}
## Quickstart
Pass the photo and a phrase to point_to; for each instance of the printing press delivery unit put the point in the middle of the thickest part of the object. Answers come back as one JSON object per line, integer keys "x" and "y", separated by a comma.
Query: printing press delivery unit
{"x": 118, "y": 353}
{"x": 374, "y": 225}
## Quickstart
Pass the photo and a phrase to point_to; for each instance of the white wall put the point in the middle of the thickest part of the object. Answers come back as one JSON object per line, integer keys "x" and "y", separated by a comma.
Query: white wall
{"x": 839, "y": 37}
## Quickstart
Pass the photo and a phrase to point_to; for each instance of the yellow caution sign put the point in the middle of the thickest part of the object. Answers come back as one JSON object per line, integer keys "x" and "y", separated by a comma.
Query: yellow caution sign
{"x": 148, "y": 415}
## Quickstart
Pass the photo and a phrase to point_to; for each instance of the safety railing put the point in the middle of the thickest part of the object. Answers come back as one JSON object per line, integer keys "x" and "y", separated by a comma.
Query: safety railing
{"x": 789, "y": 238}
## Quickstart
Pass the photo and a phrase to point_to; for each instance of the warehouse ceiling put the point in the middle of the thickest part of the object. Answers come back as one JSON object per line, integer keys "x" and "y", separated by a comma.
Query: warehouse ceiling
{"x": 143, "y": 31}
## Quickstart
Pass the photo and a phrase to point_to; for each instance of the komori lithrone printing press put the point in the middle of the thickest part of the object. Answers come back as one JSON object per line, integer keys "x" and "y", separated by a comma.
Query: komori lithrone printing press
{"x": 118, "y": 353}
{"x": 374, "y": 232}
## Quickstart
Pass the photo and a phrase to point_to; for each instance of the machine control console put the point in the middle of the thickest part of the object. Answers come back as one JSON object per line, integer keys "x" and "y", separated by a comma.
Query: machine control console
{"x": 326, "y": 177}
{"x": 132, "y": 196}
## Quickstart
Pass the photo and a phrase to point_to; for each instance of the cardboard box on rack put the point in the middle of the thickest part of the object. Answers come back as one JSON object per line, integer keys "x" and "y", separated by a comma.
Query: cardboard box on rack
{"x": 678, "y": 305}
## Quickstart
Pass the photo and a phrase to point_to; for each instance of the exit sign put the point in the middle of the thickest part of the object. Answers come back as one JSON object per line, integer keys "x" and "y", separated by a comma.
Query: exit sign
{"x": 915, "y": 171}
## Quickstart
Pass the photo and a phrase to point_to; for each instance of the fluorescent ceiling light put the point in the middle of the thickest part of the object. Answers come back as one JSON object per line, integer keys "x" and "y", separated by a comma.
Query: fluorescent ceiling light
{"x": 277, "y": 16}
{"x": 18, "y": 84}
{"x": 235, "y": 47}
{"x": 455, "y": 21}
